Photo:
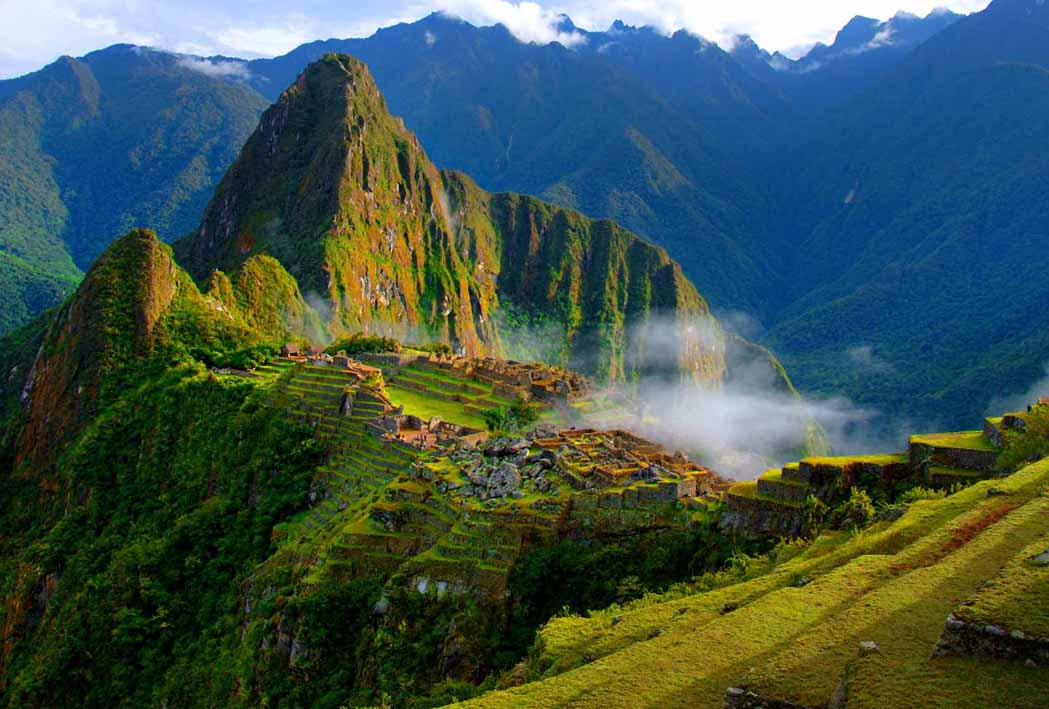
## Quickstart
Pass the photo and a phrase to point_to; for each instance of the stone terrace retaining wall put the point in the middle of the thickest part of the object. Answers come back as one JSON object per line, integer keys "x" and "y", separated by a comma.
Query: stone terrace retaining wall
{"x": 961, "y": 638}
{"x": 756, "y": 517}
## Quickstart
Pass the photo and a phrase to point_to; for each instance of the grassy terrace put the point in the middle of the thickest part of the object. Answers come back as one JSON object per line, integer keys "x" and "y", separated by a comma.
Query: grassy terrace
{"x": 775, "y": 475}
{"x": 894, "y": 584}
{"x": 966, "y": 440}
{"x": 881, "y": 459}
{"x": 1016, "y": 598}
{"x": 749, "y": 488}
{"x": 423, "y": 406}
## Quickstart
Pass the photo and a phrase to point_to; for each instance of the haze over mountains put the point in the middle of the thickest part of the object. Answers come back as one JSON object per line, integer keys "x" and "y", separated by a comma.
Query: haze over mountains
{"x": 878, "y": 206}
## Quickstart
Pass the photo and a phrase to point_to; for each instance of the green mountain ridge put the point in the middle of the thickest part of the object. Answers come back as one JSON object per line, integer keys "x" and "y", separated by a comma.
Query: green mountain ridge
{"x": 345, "y": 199}
{"x": 93, "y": 146}
{"x": 920, "y": 259}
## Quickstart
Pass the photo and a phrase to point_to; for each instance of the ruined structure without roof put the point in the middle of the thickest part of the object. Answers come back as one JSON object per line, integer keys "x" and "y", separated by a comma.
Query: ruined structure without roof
{"x": 543, "y": 382}
{"x": 425, "y": 434}
{"x": 619, "y": 459}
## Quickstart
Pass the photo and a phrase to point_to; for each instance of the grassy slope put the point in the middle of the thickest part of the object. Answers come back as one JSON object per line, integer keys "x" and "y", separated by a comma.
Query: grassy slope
{"x": 424, "y": 407}
{"x": 894, "y": 584}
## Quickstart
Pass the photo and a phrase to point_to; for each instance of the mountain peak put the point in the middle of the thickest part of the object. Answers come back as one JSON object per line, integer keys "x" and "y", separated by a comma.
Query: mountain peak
{"x": 345, "y": 199}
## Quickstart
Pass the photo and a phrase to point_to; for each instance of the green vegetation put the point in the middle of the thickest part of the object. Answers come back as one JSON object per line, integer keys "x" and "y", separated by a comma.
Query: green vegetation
{"x": 90, "y": 147}
{"x": 360, "y": 343}
{"x": 510, "y": 420}
{"x": 1030, "y": 444}
{"x": 965, "y": 440}
{"x": 180, "y": 478}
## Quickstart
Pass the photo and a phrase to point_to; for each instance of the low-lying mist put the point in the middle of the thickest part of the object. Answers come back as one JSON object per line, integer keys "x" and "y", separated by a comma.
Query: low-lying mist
{"x": 751, "y": 420}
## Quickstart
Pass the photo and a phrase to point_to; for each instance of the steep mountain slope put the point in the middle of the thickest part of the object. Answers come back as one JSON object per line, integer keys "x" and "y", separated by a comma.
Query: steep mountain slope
{"x": 91, "y": 146}
{"x": 342, "y": 195}
{"x": 614, "y": 133}
{"x": 920, "y": 226}
{"x": 862, "y": 53}
{"x": 123, "y": 453}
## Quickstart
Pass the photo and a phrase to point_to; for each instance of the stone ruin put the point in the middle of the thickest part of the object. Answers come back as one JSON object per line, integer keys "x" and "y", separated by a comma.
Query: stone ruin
{"x": 504, "y": 468}
{"x": 604, "y": 459}
{"x": 515, "y": 380}
{"x": 588, "y": 460}
{"x": 423, "y": 434}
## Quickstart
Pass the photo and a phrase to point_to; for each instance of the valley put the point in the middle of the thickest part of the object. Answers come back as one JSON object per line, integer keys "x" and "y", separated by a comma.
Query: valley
{"x": 636, "y": 372}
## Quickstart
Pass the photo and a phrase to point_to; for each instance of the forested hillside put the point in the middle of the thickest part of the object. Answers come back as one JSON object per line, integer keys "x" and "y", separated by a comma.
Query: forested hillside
{"x": 93, "y": 146}
{"x": 867, "y": 210}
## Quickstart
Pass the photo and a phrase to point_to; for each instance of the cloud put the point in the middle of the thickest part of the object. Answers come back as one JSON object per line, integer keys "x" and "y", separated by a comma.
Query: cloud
{"x": 773, "y": 24}
{"x": 270, "y": 39}
{"x": 528, "y": 21}
{"x": 745, "y": 424}
{"x": 430, "y": 38}
{"x": 862, "y": 357}
{"x": 228, "y": 68}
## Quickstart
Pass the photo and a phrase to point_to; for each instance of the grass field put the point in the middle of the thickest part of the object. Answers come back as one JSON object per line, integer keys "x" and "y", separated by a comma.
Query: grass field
{"x": 793, "y": 633}
{"x": 424, "y": 407}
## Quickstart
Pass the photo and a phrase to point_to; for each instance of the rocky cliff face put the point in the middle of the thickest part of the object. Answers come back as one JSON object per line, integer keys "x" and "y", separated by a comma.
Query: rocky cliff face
{"x": 378, "y": 239}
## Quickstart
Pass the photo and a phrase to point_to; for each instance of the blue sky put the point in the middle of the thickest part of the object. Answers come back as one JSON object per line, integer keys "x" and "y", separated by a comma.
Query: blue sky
{"x": 35, "y": 32}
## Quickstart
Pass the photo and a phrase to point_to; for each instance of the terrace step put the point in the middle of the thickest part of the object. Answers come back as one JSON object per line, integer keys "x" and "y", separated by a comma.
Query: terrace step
{"x": 969, "y": 450}
{"x": 942, "y": 477}
{"x": 774, "y": 484}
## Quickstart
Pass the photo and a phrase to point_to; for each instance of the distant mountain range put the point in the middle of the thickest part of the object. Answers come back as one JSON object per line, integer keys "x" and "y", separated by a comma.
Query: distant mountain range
{"x": 877, "y": 206}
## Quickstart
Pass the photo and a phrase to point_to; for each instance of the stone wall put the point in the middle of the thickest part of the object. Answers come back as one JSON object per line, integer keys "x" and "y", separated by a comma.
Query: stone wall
{"x": 755, "y": 517}
{"x": 969, "y": 459}
{"x": 738, "y": 698}
{"x": 962, "y": 638}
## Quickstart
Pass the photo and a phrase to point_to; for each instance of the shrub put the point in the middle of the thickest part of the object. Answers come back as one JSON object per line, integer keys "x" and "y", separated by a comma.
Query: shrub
{"x": 1029, "y": 445}
{"x": 359, "y": 343}
{"x": 510, "y": 419}
{"x": 857, "y": 512}
{"x": 815, "y": 514}
{"x": 441, "y": 348}
{"x": 916, "y": 494}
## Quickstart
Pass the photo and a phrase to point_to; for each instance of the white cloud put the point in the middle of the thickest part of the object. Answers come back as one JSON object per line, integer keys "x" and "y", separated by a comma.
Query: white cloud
{"x": 219, "y": 67}
{"x": 863, "y": 357}
{"x": 773, "y": 24}
{"x": 268, "y": 40}
{"x": 35, "y": 32}
{"x": 528, "y": 21}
